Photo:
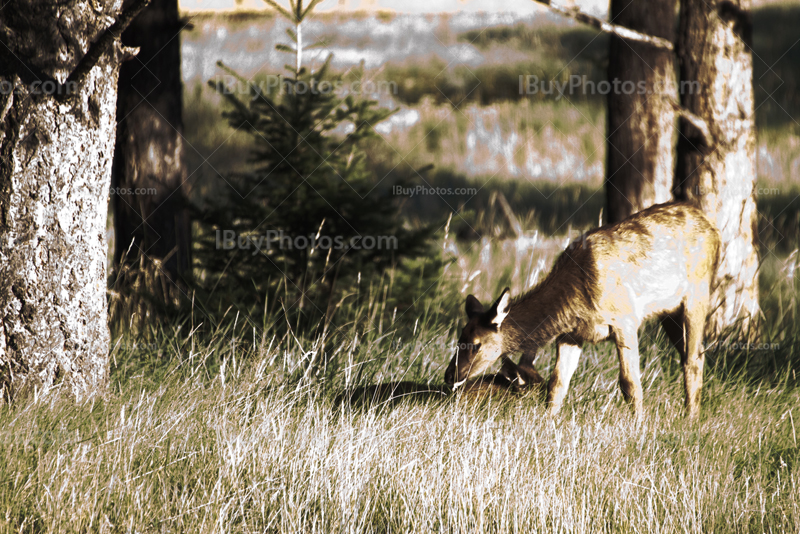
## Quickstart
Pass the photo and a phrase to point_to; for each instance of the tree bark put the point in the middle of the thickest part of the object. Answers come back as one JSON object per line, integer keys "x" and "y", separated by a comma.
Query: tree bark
{"x": 640, "y": 156}
{"x": 719, "y": 173}
{"x": 55, "y": 172}
{"x": 149, "y": 171}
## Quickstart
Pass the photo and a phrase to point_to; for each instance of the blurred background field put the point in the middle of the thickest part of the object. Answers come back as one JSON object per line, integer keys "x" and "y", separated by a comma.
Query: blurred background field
{"x": 461, "y": 121}
{"x": 454, "y": 79}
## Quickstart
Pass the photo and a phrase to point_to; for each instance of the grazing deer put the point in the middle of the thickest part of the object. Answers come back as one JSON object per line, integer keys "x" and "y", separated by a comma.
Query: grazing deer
{"x": 658, "y": 262}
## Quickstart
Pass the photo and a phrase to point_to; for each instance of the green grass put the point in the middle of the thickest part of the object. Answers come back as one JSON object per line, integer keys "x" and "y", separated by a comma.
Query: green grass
{"x": 247, "y": 451}
{"x": 230, "y": 429}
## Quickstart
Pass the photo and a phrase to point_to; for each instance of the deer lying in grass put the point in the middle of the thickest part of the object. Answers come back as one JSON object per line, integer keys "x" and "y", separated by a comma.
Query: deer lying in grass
{"x": 658, "y": 262}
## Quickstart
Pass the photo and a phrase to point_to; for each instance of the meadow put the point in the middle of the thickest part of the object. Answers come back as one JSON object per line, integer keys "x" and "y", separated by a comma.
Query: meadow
{"x": 234, "y": 429}
{"x": 226, "y": 421}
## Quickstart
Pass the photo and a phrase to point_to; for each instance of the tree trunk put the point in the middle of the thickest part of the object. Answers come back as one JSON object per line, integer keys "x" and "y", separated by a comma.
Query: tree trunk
{"x": 718, "y": 173}
{"x": 55, "y": 172}
{"x": 640, "y": 156}
{"x": 149, "y": 171}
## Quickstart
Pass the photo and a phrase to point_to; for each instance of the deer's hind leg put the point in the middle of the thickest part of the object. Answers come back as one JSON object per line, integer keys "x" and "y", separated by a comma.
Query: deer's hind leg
{"x": 694, "y": 360}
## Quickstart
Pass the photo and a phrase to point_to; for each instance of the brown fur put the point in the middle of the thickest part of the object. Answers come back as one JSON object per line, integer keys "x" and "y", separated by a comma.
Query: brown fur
{"x": 512, "y": 378}
{"x": 660, "y": 261}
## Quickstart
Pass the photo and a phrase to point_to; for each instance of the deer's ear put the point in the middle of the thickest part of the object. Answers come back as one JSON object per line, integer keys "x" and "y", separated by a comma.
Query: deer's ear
{"x": 500, "y": 308}
{"x": 473, "y": 307}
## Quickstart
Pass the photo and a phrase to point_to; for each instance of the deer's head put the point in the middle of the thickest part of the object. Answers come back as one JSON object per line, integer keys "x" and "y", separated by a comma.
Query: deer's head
{"x": 481, "y": 341}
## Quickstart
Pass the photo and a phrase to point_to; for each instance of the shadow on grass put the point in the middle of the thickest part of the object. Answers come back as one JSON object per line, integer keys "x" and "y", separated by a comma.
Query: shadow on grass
{"x": 550, "y": 207}
{"x": 557, "y": 209}
{"x": 494, "y": 386}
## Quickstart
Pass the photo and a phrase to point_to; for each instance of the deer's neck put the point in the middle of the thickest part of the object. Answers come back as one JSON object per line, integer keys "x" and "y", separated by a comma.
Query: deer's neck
{"x": 539, "y": 316}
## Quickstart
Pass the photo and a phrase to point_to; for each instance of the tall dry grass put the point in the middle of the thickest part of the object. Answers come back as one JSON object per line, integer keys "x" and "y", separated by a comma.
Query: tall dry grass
{"x": 246, "y": 451}
{"x": 232, "y": 429}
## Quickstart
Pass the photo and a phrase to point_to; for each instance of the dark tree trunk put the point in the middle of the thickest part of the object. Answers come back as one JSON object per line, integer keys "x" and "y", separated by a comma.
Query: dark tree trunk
{"x": 149, "y": 171}
{"x": 718, "y": 172}
{"x": 641, "y": 117}
{"x": 55, "y": 173}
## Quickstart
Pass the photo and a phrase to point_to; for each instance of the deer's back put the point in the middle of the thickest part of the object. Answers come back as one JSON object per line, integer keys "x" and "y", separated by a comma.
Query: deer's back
{"x": 649, "y": 263}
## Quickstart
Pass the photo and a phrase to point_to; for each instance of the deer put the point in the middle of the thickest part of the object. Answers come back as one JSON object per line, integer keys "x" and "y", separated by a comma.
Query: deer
{"x": 659, "y": 262}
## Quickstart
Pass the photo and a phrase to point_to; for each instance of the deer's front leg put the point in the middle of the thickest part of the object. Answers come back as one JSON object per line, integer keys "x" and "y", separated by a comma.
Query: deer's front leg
{"x": 509, "y": 369}
{"x": 567, "y": 356}
{"x": 523, "y": 375}
{"x": 630, "y": 381}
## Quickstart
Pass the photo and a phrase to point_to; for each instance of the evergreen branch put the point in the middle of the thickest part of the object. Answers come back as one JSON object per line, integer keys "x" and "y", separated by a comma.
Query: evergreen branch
{"x": 233, "y": 73}
{"x": 280, "y": 9}
{"x": 243, "y": 113}
{"x": 311, "y": 6}
{"x": 602, "y": 25}
{"x": 323, "y": 70}
{"x": 285, "y": 48}
{"x": 324, "y": 43}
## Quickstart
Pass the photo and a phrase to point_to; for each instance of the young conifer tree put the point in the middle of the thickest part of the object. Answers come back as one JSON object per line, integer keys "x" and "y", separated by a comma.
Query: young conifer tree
{"x": 310, "y": 214}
